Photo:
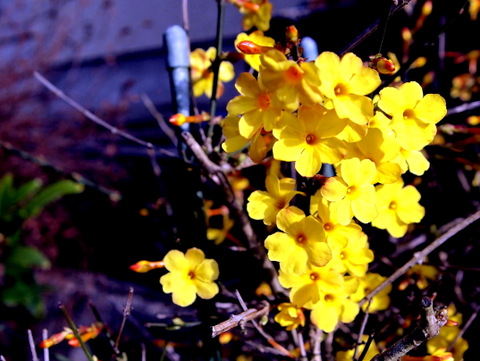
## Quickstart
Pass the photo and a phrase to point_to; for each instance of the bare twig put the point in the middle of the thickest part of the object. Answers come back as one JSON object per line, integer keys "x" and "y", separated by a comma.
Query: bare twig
{"x": 240, "y": 319}
{"x": 159, "y": 118}
{"x": 429, "y": 326}
{"x": 260, "y": 330}
{"x": 463, "y": 108}
{"x": 126, "y": 313}
{"x": 46, "y": 351}
{"x": 418, "y": 257}
{"x": 106, "y": 329}
{"x": 31, "y": 342}
{"x": 316, "y": 341}
{"x": 89, "y": 115}
{"x": 362, "y": 329}
{"x": 74, "y": 329}
{"x": 217, "y": 174}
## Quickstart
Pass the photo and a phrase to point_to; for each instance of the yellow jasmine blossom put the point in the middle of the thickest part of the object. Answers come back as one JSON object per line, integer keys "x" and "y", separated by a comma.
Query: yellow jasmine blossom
{"x": 346, "y": 82}
{"x": 302, "y": 245}
{"x": 336, "y": 234}
{"x": 255, "y": 13}
{"x": 382, "y": 151}
{"x": 292, "y": 83}
{"x": 290, "y": 316}
{"x": 191, "y": 274}
{"x": 257, "y": 37}
{"x": 397, "y": 208}
{"x": 259, "y": 144}
{"x": 353, "y": 258}
{"x": 308, "y": 288}
{"x": 367, "y": 284}
{"x": 308, "y": 139}
{"x": 335, "y": 307}
{"x": 413, "y": 115}
{"x": 202, "y": 75}
{"x": 266, "y": 205}
{"x": 353, "y": 189}
{"x": 256, "y": 105}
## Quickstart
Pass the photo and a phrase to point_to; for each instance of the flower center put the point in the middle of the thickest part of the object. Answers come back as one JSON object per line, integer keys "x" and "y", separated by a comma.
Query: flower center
{"x": 301, "y": 239}
{"x": 329, "y": 298}
{"x": 340, "y": 90}
{"x": 408, "y": 114}
{"x": 310, "y": 139}
{"x": 191, "y": 275}
{"x": 328, "y": 226}
{"x": 314, "y": 276}
{"x": 343, "y": 255}
{"x": 293, "y": 74}
{"x": 393, "y": 205}
{"x": 263, "y": 101}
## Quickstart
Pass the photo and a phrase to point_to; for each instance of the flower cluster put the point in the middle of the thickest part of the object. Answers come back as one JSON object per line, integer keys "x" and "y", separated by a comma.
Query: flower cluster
{"x": 321, "y": 112}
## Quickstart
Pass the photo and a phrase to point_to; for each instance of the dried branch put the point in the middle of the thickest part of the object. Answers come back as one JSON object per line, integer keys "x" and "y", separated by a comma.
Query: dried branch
{"x": 241, "y": 319}
{"x": 126, "y": 313}
{"x": 429, "y": 326}
{"x": 419, "y": 257}
{"x": 32, "y": 345}
{"x": 46, "y": 351}
{"x": 217, "y": 174}
{"x": 89, "y": 115}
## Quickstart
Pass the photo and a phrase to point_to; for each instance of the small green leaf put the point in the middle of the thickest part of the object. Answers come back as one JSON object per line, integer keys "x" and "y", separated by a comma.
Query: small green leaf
{"x": 27, "y": 257}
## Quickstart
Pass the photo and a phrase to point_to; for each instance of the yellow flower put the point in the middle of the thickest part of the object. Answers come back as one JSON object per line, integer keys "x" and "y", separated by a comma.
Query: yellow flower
{"x": 353, "y": 189}
{"x": 346, "y": 82}
{"x": 292, "y": 83}
{"x": 413, "y": 115}
{"x": 382, "y": 150}
{"x": 335, "y": 307}
{"x": 336, "y": 234}
{"x": 257, "y": 38}
{"x": 266, "y": 205}
{"x": 474, "y": 8}
{"x": 190, "y": 274}
{"x": 290, "y": 316}
{"x": 202, "y": 75}
{"x": 302, "y": 245}
{"x": 397, "y": 208}
{"x": 368, "y": 283}
{"x": 309, "y": 139}
{"x": 353, "y": 258}
{"x": 256, "y": 105}
{"x": 259, "y": 144}
{"x": 308, "y": 288}
{"x": 255, "y": 13}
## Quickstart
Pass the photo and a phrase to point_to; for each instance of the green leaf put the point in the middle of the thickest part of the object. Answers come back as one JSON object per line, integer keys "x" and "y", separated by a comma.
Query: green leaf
{"x": 6, "y": 187}
{"x": 49, "y": 194}
{"x": 27, "y": 257}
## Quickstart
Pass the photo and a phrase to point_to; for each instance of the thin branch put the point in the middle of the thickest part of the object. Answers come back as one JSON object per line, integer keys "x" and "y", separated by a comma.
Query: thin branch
{"x": 98, "y": 317}
{"x": 241, "y": 319}
{"x": 419, "y": 257}
{"x": 465, "y": 107}
{"x": 74, "y": 329}
{"x": 217, "y": 174}
{"x": 126, "y": 313}
{"x": 159, "y": 118}
{"x": 46, "y": 351}
{"x": 316, "y": 341}
{"x": 429, "y": 326}
{"x": 31, "y": 342}
{"x": 112, "y": 194}
{"x": 260, "y": 330}
{"x": 373, "y": 28}
{"x": 362, "y": 330}
{"x": 88, "y": 114}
